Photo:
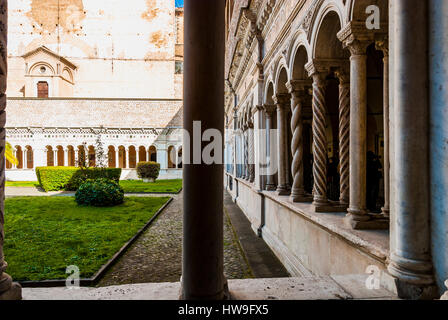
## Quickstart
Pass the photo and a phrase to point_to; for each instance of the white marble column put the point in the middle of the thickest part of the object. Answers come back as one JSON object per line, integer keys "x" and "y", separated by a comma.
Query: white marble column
{"x": 8, "y": 289}
{"x": 270, "y": 185}
{"x": 128, "y": 158}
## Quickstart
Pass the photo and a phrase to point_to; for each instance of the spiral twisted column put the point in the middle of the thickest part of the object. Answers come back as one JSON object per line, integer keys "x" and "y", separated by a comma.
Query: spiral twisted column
{"x": 8, "y": 289}
{"x": 344, "y": 136}
{"x": 281, "y": 101}
{"x": 319, "y": 141}
{"x": 297, "y": 91}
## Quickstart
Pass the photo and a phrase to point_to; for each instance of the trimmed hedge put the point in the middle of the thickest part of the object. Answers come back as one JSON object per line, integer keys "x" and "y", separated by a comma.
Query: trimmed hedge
{"x": 148, "y": 169}
{"x": 99, "y": 193}
{"x": 70, "y": 178}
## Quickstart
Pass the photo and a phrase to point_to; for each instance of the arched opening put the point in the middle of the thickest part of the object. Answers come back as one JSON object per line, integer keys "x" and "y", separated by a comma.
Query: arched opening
{"x": 82, "y": 161}
{"x": 329, "y": 47}
{"x": 152, "y": 154}
{"x": 132, "y": 157}
{"x": 375, "y": 130}
{"x": 171, "y": 157}
{"x": 179, "y": 158}
{"x": 92, "y": 156}
{"x": 50, "y": 156}
{"x": 112, "y": 161}
{"x": 19, "y": 156}
{"x": 122, "y": 157}
{"x": 8, "y": 164}
{"x": 71, "y": 156}
{"x": 60, "y": 156}
{"x": 141, "y": 154}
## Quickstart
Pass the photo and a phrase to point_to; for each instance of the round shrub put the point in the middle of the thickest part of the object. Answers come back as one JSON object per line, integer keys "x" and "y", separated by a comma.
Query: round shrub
{"x": 99, "y": 193}
{"x": 148, "y": 170}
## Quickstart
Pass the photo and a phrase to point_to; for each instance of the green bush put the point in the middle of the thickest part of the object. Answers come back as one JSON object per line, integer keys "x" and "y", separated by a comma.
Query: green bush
{"x": 148, "y": 170}
{"x": 70, "y": 178}
{"x": 99, "y": 193}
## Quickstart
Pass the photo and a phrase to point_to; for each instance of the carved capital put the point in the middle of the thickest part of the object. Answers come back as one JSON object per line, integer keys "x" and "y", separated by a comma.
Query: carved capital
{"x": 269, "y": 109}
{"x": 382, "y": 43}
{"x": 343, "y": 75}
{"x": 281, "y": 99}
{"x": 355, "y": 37}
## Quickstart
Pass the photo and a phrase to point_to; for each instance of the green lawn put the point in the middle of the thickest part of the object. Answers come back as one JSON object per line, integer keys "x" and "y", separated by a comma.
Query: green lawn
{"x": 22, "y": 183}
{"x": 44, "y": 235}
{"x": 160, "y": 186}
{"x": 129, "y": 186}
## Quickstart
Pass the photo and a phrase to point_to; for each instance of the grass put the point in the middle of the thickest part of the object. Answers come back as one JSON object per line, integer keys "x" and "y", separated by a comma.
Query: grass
{"x": 44, "y": 235}
{"x": 129, "y": 186}
{"x": 28, "y": 184}
{"x": 159, "y": 186}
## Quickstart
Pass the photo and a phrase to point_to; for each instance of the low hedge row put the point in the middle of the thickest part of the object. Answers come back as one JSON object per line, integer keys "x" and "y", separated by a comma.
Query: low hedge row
{"x": 70, "y": 178}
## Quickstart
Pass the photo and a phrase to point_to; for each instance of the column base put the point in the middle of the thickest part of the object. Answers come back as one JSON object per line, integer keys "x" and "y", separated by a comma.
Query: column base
{"x": 283, "y": 191}
{"x": 425, "y": 290}
{"x": 221, "y": 296}
{"x": 385, "y": 212}
{"x": 9, "y": 290}
{"x": 271, "y": 187}
{"x": 327, "y": 206}
{"x": 300, "y": 197}
{"x": 366, "y": 221}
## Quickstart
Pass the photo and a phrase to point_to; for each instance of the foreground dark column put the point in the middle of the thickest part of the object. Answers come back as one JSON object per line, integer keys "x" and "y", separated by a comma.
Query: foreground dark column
{"x": 202, "y": 260}
{"x": 8, "y": 289}
{"x": 410, "y": 249}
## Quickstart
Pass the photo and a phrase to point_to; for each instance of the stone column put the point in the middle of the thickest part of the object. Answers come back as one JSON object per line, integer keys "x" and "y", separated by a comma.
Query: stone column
{"x": 269, "y": 111}
{"x": 202, "y": 258}
{"x": 117, "y": 158}
{"x": 251, "y": 164}
{"x": 357, "y": 44}
{"x": 281, "y": 101}
{"x": 128, "y": 158}
{"x": 8, "y": 289}
{"x": 245, "y": 153}
{"x": 259, "y": 147}
{"x": 297, "y": 89}
{"x": 344, "y": 136}
{"x": 410, "y": 247}
{"x": 320, "y": 200}
{"x": 383, "y": 46}
{"x": 66, "y": 156}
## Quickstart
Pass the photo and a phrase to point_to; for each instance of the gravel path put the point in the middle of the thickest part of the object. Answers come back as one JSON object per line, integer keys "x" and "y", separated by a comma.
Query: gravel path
{"x": 156, "y": 255}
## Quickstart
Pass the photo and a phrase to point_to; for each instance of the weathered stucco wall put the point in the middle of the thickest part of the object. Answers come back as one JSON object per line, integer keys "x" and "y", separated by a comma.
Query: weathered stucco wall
{"x": 122, "y": 49}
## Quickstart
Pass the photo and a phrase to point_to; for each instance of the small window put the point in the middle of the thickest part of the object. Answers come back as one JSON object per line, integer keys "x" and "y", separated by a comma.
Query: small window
{"x": 42, "y": 89}
{"x": 179, "y": 69}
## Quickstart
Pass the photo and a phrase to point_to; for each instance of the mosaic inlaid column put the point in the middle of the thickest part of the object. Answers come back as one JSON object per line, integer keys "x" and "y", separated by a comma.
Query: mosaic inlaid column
{"x": 383, "y": 45}
{"x": 297, "y": 90}
{"x": 270, "y": 185}
{"x": 8, "y": 289}
{"x": 344, "y": 136}
{"x": 281, "y": 101}
{"x": 246, "y": 153}
{"x": 250, "y": 133}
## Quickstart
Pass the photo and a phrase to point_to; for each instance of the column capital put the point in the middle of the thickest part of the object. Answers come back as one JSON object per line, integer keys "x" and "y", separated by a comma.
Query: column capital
{"x": 343, "y": 75}
{"x": 257, "y": 108}
{"x": 382, "y": 43}
{"x": 297, "y": 86}
{"x": 356, "y": 37}
{"x": 281, "y": 99}
{"x": 269, "y": 109}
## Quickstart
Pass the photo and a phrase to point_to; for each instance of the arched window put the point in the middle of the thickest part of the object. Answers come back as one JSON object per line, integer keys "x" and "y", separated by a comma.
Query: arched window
{"x": 29, "y": 157}
{"x": 121, "y": 157}
{"x": 141, "y": 154}
{"x": 171, "y": 157}
{"x": 92, "y": 156}
{"x": 19, "y": 156}
{"x": 71, "y": 156}
{"x": 111, "y": 157}
{"x": 42, "y": 89}
{"x": 179, "y": 158}
{"x": 132, "y": 157}
{"x": 50, "y": 156}
{"x": 60, "y": 156}
{"x": 152, "y": 154}
{"x": 81, "y": 157}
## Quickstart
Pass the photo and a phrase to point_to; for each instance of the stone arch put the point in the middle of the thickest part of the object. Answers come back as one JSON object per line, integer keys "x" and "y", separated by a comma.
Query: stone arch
{"x": 19, "y": 157}
{"x": 298, "y": 62}
{"x": 91, "y": 156}
{"x": 121, "y": 157}
{"x": 324, "y": 41}
{"x": 59, "y": 161}
{"x": 152, "y": 153}
{"x": 179, "y": 157}
{"x": 300, "y": 43}
{"x": 111, "y": 157}
{"x": 71, "y": 156}
{"x": 132, "y": 154}
{"x": 81, "y": 156}
{"x": 269, "y": 93}
{"x": 50, "y": 156}
{"x": 281, "y": 81}
{"x": 141, "y": 153}
{"x": 34, "y": 68}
